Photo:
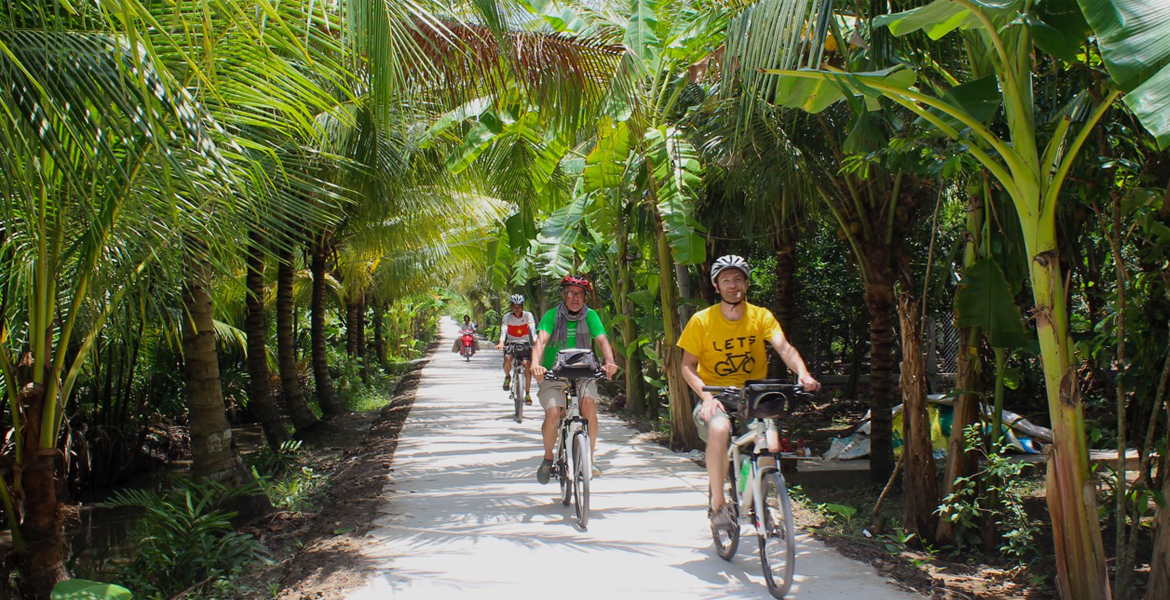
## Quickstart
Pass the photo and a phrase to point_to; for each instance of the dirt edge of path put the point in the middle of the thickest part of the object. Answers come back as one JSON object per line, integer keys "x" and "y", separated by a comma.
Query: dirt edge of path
{"x": 320, "y": 559}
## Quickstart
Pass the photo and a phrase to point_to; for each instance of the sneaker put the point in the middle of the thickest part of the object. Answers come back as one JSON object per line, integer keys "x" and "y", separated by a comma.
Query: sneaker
{"x": 528, "y": 399}
{"x": 507, "y": 381}
{"x": 722, "y": 519}
{"x": 542, "y": 473}
{"x": 595, "y": 470}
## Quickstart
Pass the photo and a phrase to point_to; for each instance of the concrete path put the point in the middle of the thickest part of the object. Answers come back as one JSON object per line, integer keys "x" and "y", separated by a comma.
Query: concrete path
{"x": 466, "y": 516}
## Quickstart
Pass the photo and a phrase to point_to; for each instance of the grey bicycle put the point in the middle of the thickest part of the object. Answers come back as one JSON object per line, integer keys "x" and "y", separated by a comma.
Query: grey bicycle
{"x": 758, "y": 494}
{"x": 521, "y": 352}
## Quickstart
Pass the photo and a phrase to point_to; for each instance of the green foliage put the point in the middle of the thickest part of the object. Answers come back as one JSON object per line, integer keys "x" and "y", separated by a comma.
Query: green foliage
{"x": 80, "y": 589}
{"x": 984, "y": 300}
{"x": 994, "y": 494}
{"x": 186, "y": 536}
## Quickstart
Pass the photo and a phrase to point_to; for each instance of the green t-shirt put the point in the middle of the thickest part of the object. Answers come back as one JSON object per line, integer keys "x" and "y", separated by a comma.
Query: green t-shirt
{"x": 549, "y": 320}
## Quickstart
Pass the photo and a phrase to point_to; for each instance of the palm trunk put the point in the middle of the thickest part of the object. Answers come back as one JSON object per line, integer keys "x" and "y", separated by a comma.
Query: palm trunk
{"x": 785, "y": 246}
{"x": 361, "y": 338}
{"x": 682, "y": 425}
{"x": 326, "y": 395}
{"x": 42, "y": 558}
{"x": 879, "y": 298}
{"x": 379, "y": 340}
{"x": 259, "y": 389}
{"x": 351, "y": 328}
{"x": 290, "y": 382}
{"x": 918, "y": 479}
{"x": 213, "y": 451}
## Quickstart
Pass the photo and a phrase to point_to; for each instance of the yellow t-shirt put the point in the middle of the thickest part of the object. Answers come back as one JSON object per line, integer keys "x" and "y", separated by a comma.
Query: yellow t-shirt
{"x": 730, "y": 352}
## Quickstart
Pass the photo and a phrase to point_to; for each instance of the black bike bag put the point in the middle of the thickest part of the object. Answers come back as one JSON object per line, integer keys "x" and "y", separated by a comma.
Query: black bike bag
{"x": 575, "y": 363}
{"x": 767, "y": 399}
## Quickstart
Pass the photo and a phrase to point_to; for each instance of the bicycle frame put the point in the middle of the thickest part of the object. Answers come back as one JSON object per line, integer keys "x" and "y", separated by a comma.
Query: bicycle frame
{"x": 571, "y": 422}
{"x": 752, "y": 492}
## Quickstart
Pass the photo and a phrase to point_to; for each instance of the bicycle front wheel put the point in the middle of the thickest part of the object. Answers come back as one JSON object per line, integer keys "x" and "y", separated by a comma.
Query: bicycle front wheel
{"x": 518, "y": 393}
{"x": 777, "y": 534}
{"x": 583, "y": 472}
{"x": 563, "y": 469}
{"x": 727, "y": 539}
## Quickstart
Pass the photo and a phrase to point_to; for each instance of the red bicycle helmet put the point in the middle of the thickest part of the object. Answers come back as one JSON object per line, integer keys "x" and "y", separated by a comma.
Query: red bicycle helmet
{"x": 576, "y": 280}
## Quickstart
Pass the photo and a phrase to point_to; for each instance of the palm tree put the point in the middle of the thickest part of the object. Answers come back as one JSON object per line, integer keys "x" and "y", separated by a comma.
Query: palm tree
{"x": 259, "y": 389}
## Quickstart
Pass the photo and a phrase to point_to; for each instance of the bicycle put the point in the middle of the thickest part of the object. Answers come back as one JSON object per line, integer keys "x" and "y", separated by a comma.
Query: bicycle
{"x": 520, "y": 351}
{"x": 573, "y": 463}
{"x": 762, "y": 487}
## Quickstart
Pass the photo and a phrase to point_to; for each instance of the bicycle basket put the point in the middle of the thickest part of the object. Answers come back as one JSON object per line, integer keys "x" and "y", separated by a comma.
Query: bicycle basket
{"x": 575, "y": 363}
{"x": 767, "y": 399}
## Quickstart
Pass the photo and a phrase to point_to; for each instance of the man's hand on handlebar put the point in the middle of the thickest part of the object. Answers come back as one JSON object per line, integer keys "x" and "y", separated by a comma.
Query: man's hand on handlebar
{"x": 538, "y": 372}
{"x": 609, "y": 369}
{"x": 808, "y": 384}
{"x": 500, "y": 346}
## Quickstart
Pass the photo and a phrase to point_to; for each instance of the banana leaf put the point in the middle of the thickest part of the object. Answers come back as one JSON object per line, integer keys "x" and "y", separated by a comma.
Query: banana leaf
{"x": 1134, "y": 38}
{"x": 984, "y": 300}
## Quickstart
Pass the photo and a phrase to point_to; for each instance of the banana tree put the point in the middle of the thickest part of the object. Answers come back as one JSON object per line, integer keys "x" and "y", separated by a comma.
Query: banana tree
{"x": 1032, "y": 171}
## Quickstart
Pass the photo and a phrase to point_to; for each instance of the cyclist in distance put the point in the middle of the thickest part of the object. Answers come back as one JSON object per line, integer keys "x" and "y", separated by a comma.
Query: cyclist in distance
{"x": 518, "y": 326}
{"x": 724, "y": 345}
{"x": 571, "y": 324}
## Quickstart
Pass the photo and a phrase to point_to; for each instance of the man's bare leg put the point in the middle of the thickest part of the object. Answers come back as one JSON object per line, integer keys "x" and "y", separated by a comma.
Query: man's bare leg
{"x": 718, "y": 432}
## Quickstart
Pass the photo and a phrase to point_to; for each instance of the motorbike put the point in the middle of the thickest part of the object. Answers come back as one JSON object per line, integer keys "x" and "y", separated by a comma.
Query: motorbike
{"x": 468, "y": 345}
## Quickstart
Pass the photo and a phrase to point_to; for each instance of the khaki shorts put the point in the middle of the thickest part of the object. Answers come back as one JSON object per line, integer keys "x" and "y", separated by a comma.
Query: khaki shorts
{"x": 720, "y": 413}
{"x": 553, "y": 392}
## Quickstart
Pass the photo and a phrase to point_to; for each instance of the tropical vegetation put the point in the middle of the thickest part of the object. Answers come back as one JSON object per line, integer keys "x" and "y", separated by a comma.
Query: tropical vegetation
{"x": 225, "y": 212}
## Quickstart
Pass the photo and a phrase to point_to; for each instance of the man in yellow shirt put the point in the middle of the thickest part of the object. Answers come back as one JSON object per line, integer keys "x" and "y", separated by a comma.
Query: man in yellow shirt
{"x": 724, "y": 345}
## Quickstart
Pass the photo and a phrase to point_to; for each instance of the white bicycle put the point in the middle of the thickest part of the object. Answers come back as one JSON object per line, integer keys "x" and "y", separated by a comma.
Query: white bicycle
{"x": 757, "y": 493}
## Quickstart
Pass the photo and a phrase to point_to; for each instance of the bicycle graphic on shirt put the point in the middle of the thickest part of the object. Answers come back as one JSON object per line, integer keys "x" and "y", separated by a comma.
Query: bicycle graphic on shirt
{"x": 735, "y": 363}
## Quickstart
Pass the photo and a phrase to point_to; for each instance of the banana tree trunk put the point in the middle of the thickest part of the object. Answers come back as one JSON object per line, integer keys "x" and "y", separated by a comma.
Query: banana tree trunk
{"x": 635, "y": 390}
{"x": 290, "y": 382}
{"x": 326, "y": 394}
{"x": 682, "y": 425}
{"x": 918, "y": 480}
{"x": 879, "y": 299}
{"x": 213, "y": 451}
{"x": 961, "y": 461}
{"x": 1159, "y": 584}
{"x": 259, "y": 389}
{"x": 42, "y": 558}
{"x": 1071, "y": 495}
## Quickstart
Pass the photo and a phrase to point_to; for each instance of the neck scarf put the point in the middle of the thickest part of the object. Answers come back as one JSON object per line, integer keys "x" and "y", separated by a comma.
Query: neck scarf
{"x": 560, "y": 334}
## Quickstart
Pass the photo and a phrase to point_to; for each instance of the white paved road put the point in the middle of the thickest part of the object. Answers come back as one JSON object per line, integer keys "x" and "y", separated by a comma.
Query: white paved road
{"x": 465, "y": 515}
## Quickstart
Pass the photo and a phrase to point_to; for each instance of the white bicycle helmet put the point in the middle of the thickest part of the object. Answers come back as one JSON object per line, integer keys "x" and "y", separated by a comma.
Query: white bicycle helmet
{"x": 730, "y": 261}
{"x": 516, "y": 299}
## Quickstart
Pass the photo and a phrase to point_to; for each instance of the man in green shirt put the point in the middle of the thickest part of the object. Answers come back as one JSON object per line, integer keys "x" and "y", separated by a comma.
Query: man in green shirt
{"x": 562, "y": 327}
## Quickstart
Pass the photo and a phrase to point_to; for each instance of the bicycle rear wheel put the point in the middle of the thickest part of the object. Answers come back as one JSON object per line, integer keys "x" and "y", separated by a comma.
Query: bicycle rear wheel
{"x": 518, "y": 393}
{"x": 777, "y": 534}
{"x": 727, "y": 540}
{"x": 582, "y": 473}
{"x": 562, "y": 465}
